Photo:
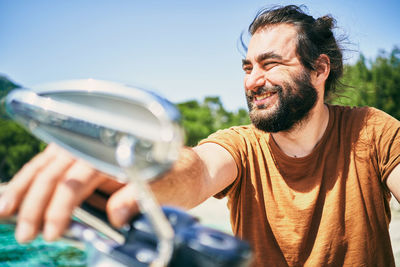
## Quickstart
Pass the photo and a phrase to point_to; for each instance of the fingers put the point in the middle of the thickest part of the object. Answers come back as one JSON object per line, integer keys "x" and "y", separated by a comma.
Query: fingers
{"x": 37, "y": 198}
{"x": 100, "y": 197}
{"x": 46, "y": 190}
{"x": 110, "y": 186}
{"x": 122, "y": 206}
{"x": 16, "y": 189}
{"x": 97, "y": 201}
{"x": 77, "y": 184}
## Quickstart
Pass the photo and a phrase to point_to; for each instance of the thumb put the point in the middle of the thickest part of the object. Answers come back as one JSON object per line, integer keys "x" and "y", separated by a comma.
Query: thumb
{"x": 122, "y": 206}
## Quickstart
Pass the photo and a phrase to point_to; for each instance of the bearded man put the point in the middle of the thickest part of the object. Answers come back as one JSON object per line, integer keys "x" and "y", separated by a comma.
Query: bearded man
{"x": 308, "y": 184}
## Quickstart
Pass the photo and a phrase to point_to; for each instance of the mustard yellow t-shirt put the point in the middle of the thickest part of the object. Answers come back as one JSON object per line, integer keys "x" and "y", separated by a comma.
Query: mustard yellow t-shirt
{"x": 330, "y": 208}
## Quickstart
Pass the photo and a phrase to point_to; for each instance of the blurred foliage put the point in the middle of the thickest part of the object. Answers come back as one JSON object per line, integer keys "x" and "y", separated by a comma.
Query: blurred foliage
{"x": 6, "y": 86}
{"x": 374, "y": 83}
{"x": 201, "y": 119}
{"x": 17, "y": 146}
{"x": 367, "y": 83}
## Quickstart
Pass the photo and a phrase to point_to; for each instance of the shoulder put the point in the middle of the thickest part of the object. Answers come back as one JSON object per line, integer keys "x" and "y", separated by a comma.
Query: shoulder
{"x": 383, "y": 128}
{"x": 349, "y": 111}
{"x": 237, "y": 139}
{"x": 243, "y": 131}
{"x": 366, "y": 121}
{"x": 348, "y": 120}
{"x": 360, "y": 116}
{"x": 378, "y": 120}
{"x": 370, "y": 113}
{"x": 377, "y": 114}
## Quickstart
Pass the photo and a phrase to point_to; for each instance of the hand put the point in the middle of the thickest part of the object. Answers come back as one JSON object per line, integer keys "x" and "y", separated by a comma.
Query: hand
{"x": 46, "y": 191}
{"x": 122, "y": 206}
{"x": 119, "y": 202}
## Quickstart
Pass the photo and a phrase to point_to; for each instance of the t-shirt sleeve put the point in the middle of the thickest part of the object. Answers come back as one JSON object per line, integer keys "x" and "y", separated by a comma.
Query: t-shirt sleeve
{"x": 235, "y": 144}
{"x": 386, "y": 142}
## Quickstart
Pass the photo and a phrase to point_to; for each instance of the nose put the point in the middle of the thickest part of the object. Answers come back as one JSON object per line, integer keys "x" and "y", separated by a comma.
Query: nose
{"x": 254, "y": 80}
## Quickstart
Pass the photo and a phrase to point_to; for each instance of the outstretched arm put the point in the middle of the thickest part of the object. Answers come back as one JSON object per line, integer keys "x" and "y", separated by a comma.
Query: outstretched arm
{"x": 393, "y": 182}
{"x": 49, "y": 187}
{"x": 200, "y": 173}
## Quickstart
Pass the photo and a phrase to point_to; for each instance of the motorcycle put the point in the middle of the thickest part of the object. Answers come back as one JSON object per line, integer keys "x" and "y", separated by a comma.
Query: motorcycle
{"x": 133, "y": 135}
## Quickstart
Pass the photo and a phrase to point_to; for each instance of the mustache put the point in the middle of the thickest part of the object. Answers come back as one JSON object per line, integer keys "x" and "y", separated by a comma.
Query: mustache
{"x": 262, "y": 90}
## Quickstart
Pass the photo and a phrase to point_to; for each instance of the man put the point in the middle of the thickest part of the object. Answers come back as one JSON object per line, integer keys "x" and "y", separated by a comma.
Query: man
{"x": 308, "y": 183}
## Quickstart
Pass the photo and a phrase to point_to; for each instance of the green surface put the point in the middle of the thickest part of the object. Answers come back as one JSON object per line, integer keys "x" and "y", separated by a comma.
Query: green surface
{"x": 38, "y": 252}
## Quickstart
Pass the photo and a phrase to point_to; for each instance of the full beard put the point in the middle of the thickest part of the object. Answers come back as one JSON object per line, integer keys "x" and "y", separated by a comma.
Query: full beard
{"x": 294, "y": 105}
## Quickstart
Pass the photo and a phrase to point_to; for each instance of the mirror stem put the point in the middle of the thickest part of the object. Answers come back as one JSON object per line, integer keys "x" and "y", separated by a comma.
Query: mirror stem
{"x": 147, "y": 202}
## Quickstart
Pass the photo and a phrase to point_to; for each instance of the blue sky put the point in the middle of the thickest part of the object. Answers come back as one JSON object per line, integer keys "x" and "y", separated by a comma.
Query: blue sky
{"x": 181, "y": 49}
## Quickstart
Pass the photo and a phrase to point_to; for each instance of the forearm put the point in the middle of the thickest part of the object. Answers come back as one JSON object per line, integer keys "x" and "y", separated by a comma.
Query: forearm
{"x": 185, "y": 185}
{"x": 182, "y": 186}
{"x": 198, "y": 174}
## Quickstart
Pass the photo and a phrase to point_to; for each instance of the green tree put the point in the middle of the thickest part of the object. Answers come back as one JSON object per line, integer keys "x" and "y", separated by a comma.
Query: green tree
{"x": 196, "y": 121}
{"x": 201, "y": 119}
{"x": 374, "y": 83}
{"x": 17, "y": 146}
{"x": 357, "y": 89}
{"x": 6, "y": 86}
{"x": 386, "y": 80}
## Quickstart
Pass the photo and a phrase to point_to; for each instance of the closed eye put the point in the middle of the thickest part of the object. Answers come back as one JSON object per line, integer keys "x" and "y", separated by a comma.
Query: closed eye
{"x": 247, "y": 69}
{"x": 246, "y": 66}
{"x": 270, "y": 64}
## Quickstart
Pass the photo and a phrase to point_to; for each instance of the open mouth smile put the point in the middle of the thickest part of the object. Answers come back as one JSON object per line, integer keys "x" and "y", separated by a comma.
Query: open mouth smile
{"x": 263, "y": 96}
{"x": 264, "y": 99}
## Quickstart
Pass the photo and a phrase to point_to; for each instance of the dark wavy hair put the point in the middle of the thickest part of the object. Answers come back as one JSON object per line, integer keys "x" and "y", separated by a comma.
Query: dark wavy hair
{"x": 314, "y": 37}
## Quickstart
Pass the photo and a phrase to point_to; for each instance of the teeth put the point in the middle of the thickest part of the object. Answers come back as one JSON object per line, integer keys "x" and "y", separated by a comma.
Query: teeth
{"x": 263, "y": 96}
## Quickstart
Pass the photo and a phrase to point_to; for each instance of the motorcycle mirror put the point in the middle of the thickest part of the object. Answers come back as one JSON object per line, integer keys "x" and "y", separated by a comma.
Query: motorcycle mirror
{"x": 129, "y": 133}
{"x": 90, "y": 117}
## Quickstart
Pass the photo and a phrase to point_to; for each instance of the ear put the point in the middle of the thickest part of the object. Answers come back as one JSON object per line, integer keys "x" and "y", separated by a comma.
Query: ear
{"x": 322, "y": 70}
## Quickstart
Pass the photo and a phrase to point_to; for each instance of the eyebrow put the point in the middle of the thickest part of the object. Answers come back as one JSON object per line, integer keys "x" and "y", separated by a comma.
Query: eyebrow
{"x": 268, "y": 55}
{"x": 262, "y": 57}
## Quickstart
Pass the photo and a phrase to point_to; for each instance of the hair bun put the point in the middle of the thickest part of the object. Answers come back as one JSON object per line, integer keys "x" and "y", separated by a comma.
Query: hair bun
{"x": 325, "y": 22}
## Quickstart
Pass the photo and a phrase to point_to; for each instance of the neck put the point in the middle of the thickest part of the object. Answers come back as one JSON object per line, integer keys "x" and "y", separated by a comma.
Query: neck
{"x": 302, "y": 139}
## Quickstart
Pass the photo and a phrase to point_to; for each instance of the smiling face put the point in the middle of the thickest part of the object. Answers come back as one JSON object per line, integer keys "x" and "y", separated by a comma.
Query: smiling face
{"x": 278, "y": 88}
